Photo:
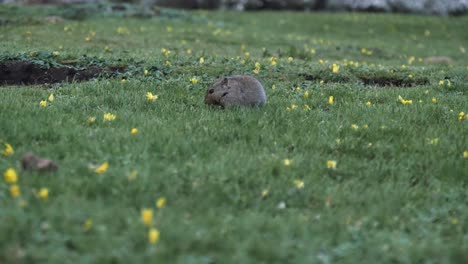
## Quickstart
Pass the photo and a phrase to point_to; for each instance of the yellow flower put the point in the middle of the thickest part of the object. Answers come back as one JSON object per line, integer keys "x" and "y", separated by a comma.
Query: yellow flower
{"x": 287, "y": 162}
{"x": 15, "y": 190}
{"x": 273, "y": 61}
{"x": 247, "y": 54}
{"x": 133, "y": 175}
{"x": 102, "y": 168}
{"x": 150, "y": 97}
{"x": 265, "y": 193}
{"x": 169, "y": 29}
{"x": 146, "y": 72}
{"x": 189, "y": 51}
{"x": 312, "y": 51}
{"x": 55, "y": 53}
{"x": 441, "y": 83}
{"x": 134, "y": 131}
{"x": 91, "y": 119}
{"x": 202, "y": 60}
{"x": 161, "y": 202}
{"x": 10, "y": 176}
{"x": 434, "y": 141}
{"x": 290, "y": 59}
{"x": 147, "y": 216}
{"x": 322, "y": 82}
{"x": 88, "y": 224}
{"x": 330, "y": 100}
{"x": 88, "y": 39}
{"x": 410, "y": 76}
{"x": 299, "y": 184}
{"x": 123, "y": 30}
{"x": 434, "y": 100}
{"x": 194, "y": 80}
{"x": 369, "y": 104}
{"x": 168, "y": 63}
{"x": 8, "y": 150}
{"x": 354, "y": 126}
{"x": 43, "y": 103}
{"x": 465, "y": 154}
{"x": 403, "y": 101}
{"x": 365, "y": 126}
{"x": 153, "y": 235}
{"x": 109, "y": 117}
{"x": 43, "y": 194}
{"x": 123, "y": 80}
{"x": 256, "y": 71}
{"x": 306, "y": 108}
{"x": 306, "y": 94}
{"x": 273, "y": 87}
{"x": 461, "y": 115}
{"x": 331, "y": 164}
{"x": 292, "y": 107}
{"x": 335, "y": 68}
{"x": 107, "y": 49}
{"x": 51, "y": 98}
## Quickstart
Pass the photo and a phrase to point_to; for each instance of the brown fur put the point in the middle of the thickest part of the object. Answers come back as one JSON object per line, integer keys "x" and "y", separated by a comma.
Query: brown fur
{"x": 239, "y": 90}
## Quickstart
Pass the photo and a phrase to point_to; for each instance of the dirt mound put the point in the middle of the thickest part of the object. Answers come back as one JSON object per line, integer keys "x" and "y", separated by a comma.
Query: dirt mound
{"x": 27, "y": 73}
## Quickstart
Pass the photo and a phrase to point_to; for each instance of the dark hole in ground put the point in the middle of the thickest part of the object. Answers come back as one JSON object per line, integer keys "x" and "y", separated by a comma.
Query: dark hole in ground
{"x": 27, "y": 73}
{"x": 392, "y": 81}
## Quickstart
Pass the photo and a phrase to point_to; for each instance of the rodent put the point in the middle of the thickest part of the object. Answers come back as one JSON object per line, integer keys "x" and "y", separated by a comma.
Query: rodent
{"x": 239, "y": 90}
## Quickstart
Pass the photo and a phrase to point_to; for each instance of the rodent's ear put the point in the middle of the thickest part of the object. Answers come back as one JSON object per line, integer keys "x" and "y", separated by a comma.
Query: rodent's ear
{"x": 225, "y": 81}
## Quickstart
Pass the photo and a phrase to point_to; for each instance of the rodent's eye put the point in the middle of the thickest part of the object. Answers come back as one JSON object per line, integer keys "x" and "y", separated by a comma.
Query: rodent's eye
{"x": 211, "y": 91}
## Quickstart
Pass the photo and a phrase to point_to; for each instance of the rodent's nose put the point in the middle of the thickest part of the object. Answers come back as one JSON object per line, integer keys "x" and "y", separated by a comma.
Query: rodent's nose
{"x": 211, "y": 91}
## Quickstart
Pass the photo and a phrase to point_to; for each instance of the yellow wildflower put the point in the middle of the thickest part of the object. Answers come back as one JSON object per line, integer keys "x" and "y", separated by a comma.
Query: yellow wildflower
{"x": 434, "y": 141}
{"x": 123, "y": 80}
{"x": 88, "y": 39}
{"x": 331, "y": 164}
{"x": 153, "y": 235}
{"x": 441, "y": 83}
{"x": 15, "y": 190}
{"x": 8, "y": 150}
{"x": 51, "y": 98}
{"x": 102, "y": 168}
{"x": 292, "y": 107}
{"x": 123, "y": 30}
{"x": 202, "y": 60}
{"x": 109, "y": 117}
{"x": 273, "y": 61}
{"x": 133, "y": 175}
{"x": 461, "y": 115}
{"x": 189, "y": 51}
{"x": 145, "y": 72}
{"x": 168, "y": 63}
{"x": 265, "y": 193}
{"x": 10, "y": 176}
{"x": 335, "y": 68}
{"x": 55, "y": 53}
{"x": 194, "y": 80}
{"x": 91, "y": 119}
{"x": 150, "y": 97}
{"x": 161, "y": 202}
{"x": 434, "y": 100}
{"x": 354, "y": 126}
{"x": 312, "y": 51}
{"x": 307, "y": 107}
{"x": 369, "y": 104}
{"x": 43, "y": 103}
{"x": 290, "y": 59}
{"x": 88, "y": 224}
{"x": 134, "y": 131}
{"x": 169, "y": 29}
{"x": 147, "y": 216}
{"x": 107, "y": 49}
{"x": 43, "y": 193}
{"x": 410, "y": 76}
{"x": 465, "y": 154}
{"x": 330, "y": 100}
{"x": 247, "y": 54}
{"x": 287, "y": 162}
{"x": 403, "y": 101}
{"x": 273, "y": 87}
{"x": 299, "y": 184}
{"x": 306, "y": 94}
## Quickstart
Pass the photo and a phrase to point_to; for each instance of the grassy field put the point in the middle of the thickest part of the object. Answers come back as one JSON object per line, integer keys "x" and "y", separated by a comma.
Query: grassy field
{"x": 241, "y": 185}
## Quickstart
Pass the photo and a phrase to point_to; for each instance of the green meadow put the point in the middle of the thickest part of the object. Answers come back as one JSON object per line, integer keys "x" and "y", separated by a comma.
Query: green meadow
{"x": 359, "y": 156}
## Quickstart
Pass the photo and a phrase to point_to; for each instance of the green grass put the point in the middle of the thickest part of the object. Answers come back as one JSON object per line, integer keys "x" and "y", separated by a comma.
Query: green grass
{"x": 393, "y": 198}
